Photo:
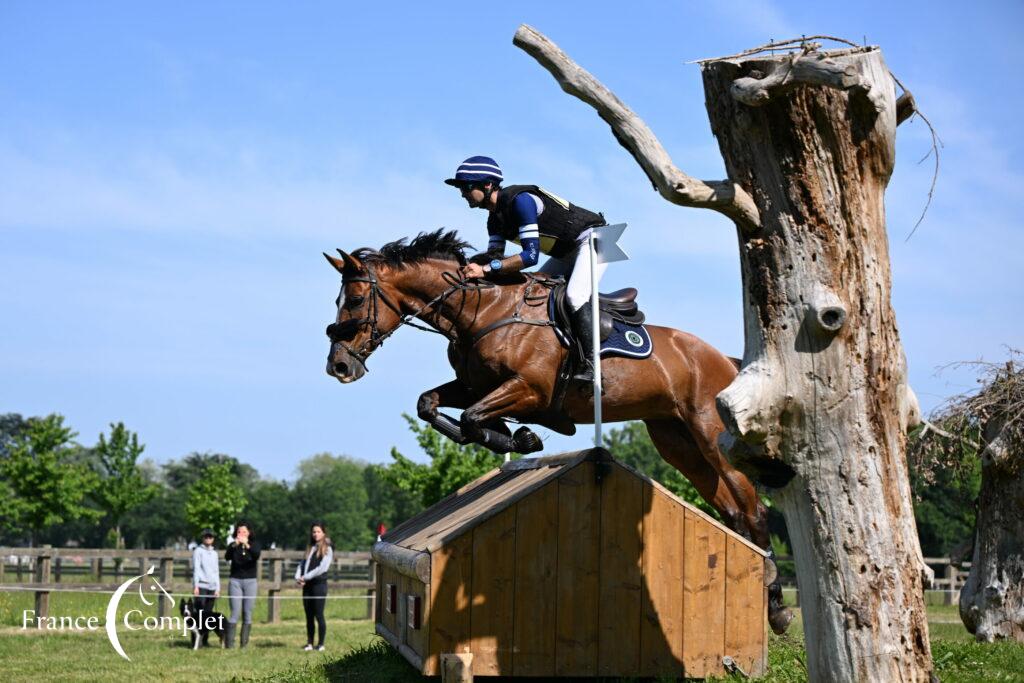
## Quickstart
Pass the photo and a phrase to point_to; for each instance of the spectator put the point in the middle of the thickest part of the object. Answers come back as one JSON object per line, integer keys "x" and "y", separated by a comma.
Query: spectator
{"x": 244, "y": 556}
{"x": 311, "y": 574}
{"x": 205, "y": 576}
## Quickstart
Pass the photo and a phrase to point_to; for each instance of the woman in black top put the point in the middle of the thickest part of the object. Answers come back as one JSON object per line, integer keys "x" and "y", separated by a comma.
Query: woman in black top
{"x": 311, "y": 574}
{"x": 244, "y": 556}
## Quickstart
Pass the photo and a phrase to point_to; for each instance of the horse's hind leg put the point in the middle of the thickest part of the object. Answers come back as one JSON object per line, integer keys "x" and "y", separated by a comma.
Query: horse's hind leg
{"x": 676, "y": 445}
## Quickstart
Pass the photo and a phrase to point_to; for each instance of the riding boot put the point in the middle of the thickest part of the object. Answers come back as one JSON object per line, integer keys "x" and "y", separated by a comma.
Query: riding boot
{"x": 229, "y": 636}
{"x": 245, "y": 635}
{"x": 583, "y": 322}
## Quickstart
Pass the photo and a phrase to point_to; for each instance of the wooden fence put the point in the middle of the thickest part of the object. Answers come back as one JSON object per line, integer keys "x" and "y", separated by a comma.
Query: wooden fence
{"x": 949, "y": 577}
{"x": 46, "y": 566}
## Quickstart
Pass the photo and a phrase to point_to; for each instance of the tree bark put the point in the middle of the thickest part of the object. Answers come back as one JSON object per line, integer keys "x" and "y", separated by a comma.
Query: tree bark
{"x": 820, "y": 409}
{"x": 821, "y": 406}
{"x": 992, "y": 599}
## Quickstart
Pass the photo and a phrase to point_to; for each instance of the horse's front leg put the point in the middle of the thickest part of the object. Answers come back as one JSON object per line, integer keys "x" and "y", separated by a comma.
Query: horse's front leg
{"x": 493, "y": 434}
{"x": 514, "y": 397}
{"x": 452, "y": 394}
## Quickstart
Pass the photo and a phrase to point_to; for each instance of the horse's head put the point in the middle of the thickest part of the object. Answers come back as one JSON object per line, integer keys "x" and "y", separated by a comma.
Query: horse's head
{"x": 367, "y": 313}
{"x": 371, "y": 306}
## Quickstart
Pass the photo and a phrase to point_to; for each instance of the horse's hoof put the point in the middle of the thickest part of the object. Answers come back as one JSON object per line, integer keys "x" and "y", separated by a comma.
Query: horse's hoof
{"x": 526, "y": 441}
{"x": 779, "y": 619}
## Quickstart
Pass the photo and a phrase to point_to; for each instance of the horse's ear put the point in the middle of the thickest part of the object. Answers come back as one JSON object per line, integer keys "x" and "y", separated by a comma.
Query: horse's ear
{"x": 352, "y": 264}
{"x": 338, "y": 264}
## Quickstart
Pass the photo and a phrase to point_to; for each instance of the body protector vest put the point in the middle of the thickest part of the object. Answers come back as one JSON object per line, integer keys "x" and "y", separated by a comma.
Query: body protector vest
{"x": 560, "y": 223}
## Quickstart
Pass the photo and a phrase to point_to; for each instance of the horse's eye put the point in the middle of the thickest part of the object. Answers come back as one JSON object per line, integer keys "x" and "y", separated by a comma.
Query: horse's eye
{"x": 353, "y": 302}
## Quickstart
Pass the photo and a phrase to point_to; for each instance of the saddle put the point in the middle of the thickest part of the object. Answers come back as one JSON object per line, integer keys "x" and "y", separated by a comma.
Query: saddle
{"x": 618, "y": 305}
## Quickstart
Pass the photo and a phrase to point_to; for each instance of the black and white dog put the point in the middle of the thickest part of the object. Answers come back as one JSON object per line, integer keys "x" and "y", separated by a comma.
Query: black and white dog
{"x": 201, "y": 623}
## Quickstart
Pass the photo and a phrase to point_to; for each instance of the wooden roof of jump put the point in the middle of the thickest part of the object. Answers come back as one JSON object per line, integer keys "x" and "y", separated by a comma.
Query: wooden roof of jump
{"x": 500, "y": 488}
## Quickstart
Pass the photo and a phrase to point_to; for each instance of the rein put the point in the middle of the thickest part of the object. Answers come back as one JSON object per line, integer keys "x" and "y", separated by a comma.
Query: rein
{"x": 337, "y": 330}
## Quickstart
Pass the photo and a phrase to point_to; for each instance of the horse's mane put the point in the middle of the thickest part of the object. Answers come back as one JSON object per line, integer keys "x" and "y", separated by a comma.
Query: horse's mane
{"x": 438, "y": 244}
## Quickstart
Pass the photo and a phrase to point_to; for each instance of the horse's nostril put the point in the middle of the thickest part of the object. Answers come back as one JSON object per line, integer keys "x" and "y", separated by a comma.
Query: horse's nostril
{"x": 341, "y": 369}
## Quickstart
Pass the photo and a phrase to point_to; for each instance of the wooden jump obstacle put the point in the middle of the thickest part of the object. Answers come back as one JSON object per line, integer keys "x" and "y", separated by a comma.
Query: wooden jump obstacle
{"x": 571, "y": 565}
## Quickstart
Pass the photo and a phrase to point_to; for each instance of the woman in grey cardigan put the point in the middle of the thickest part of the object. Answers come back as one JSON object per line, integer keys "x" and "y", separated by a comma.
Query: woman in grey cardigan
{"x": 311, "y": 574}
{"x": 205, "y": 576}
{"x": 244, "y": 556}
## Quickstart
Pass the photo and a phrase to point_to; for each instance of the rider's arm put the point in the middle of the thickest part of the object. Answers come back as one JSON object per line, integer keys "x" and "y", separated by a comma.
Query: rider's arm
{"x": 524, "y": 209}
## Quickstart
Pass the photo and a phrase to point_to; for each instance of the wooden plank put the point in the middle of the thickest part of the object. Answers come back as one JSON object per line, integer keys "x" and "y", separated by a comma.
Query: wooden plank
{"x": 703, "y": 598}
{"x": 744, "y": 606}
{"x": 388, "y": 619}
{"x": 401, "y": 613}
{"x": 491, "y": 607}
{"x": 451, "y": 575}
{"x": 661, "y": 626}
{"x": 619, "y": 601}
{"x": 578, "y": 579}
{"x": 536, "y": 591}
{"x": 417, "y": 638}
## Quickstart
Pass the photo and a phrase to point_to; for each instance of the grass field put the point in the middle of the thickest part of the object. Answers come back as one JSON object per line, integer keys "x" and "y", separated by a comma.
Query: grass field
{"x": 353, "y": 652}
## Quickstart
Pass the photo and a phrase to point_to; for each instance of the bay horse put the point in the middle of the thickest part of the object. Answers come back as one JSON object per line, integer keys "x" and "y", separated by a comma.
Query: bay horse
{"x": 510, "y": 370}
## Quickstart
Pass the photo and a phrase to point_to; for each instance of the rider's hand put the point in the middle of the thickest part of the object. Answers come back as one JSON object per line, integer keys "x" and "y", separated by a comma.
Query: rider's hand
{"x": 195, "y": 591}
{"x": 471, "y": 270}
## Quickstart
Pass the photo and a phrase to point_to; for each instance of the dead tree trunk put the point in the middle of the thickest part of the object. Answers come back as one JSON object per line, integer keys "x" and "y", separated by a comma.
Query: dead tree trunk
{"x": 820, "y": 409}
{"x": 992, "y": 599}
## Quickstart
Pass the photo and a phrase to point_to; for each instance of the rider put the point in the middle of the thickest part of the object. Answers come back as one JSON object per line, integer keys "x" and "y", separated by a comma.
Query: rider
{"x": 540, "y": 222}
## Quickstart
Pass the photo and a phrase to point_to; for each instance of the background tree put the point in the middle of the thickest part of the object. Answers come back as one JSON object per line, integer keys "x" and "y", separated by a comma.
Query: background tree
{"x": 451, "y": 466}
{"x": 386, "y": 503}
{"x": 330, "y": 488}
{"x": 275, "y": 514}
{"x": 44, "y": 483}
{"x": 215, "y": 500}
{"x": 122, "y": 486}
{"x": 988, "y": 425}
{"x": 632, "y": 445}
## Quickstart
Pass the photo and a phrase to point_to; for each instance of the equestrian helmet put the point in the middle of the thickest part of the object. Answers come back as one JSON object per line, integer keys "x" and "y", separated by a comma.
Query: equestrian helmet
{"x": 476, "y": 170}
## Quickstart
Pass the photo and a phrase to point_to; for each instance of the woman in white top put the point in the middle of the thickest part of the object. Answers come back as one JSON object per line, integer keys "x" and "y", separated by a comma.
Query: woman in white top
{"x": 311, "y": 574}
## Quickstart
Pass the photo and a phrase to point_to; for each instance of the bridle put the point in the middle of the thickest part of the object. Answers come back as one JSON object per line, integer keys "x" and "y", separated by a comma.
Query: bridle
{"x": 336, "y": 332}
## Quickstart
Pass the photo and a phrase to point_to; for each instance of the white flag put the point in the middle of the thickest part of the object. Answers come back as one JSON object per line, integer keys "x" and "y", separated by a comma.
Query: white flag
{"x": 605, "y": 243}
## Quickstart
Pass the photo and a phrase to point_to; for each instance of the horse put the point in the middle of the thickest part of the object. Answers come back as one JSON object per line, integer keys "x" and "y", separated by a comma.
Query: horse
{"x": 506, "y": 360}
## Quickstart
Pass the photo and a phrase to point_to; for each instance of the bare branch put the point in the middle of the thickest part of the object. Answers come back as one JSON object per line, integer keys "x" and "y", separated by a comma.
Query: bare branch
{"x": 801, "y": 43}
{"x": 632, "y": 133}
{"x": 905, "y": 107}
{"x": 809, "y": 69}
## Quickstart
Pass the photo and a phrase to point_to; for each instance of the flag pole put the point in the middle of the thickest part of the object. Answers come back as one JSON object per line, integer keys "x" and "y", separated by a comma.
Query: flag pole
{"x": 596, "y": 320}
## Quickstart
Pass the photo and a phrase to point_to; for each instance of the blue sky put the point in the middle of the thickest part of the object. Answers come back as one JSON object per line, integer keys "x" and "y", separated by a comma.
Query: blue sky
{"x": 169, "y": 177}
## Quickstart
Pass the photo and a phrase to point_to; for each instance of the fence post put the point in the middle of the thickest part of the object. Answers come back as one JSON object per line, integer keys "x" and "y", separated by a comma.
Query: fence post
{"x": 273, "y": 602}
{"x": 97, "y": 567}
{"x": 163, "y": 606}
{"x": 18, "y": 564}
{"x": 371, "y": 593}
{"x": 43, "y": 576}
{"x": 952, "y": 595}
{"x": 143, "y": 561}
{"x": 3, "y": 567}
{"x": 56, "y": 569}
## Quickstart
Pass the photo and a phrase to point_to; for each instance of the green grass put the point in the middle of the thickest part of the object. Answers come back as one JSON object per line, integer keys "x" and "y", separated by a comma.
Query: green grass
{"x": 354, "y": 653}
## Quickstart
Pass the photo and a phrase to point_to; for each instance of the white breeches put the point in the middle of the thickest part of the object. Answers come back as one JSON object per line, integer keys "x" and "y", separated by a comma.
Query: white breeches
{"x": 576, "y": 266}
